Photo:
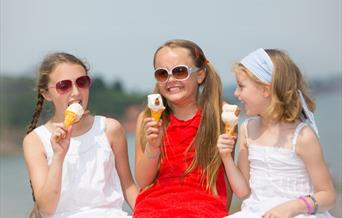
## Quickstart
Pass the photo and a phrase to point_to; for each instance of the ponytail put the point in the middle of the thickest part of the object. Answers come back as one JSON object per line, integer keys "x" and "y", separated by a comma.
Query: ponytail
{"x": 35, "y": 117}
{"x": 36, "y": 113}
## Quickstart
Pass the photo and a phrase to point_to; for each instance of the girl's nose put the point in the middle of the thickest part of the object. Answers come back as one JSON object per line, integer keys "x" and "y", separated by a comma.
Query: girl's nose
{"x": 75, "y": 90}
{"x": 236, "y": 92}
{"x": 171, "y": 78}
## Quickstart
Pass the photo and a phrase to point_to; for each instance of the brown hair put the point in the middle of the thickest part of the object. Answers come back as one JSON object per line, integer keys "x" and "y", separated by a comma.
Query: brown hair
{"x": 286, "y": 81}
{"x": 47, "y": 66}
{"x": 209, "y": 100}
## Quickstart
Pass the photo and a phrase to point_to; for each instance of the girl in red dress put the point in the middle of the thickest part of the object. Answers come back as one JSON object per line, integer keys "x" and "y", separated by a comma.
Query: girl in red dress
{"x": 177, "y": 164}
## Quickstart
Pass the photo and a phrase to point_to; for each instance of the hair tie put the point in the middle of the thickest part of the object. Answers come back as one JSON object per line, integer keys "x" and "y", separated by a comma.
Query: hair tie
{"x": 197, "y": 53}
{"x": 205, "y": 61}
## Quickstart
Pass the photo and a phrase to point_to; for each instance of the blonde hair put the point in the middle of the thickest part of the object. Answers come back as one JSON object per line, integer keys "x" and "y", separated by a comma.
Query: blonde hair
{"x": 286, "y": 81}
{"x": 209, "y": 100}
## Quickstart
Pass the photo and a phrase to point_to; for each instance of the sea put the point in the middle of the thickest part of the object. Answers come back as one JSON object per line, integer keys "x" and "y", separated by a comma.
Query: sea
{"x": 15, "y": 193}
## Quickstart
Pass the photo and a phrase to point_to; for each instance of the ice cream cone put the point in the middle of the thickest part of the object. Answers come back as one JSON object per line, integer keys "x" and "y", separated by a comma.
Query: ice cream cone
{"x": 73, "y": 114}
{"x": 156, "y": 114}
{"x": 155, "y": 103}
{"x": 230, "y": 118}
{"x": 227, "y": 128}
{"x": 69, "y": 118}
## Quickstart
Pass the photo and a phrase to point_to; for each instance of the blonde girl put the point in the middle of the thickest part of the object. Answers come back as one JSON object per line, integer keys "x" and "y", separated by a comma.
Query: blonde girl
{"x": 280, "y": 168}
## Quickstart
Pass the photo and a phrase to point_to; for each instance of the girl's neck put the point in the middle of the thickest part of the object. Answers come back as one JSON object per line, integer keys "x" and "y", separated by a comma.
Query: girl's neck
{"x": 272, "y": 133}
{"x": 267, "y": 123}
{"x": 56, "y": 118}
{"x": 184, "y": 111}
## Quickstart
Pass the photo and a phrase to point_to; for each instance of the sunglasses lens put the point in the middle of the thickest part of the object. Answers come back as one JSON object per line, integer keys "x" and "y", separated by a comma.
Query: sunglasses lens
{"x": 180, "y": 72}
{"x": 83, "y": 82}
{"x": 161, "y": 75}
{"x": 63, "y": 86}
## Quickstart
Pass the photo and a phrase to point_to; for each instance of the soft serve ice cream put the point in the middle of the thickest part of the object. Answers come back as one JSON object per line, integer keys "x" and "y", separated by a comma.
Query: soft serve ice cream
{"x": 230, "y": 117}
{"x": 155, "y": 103}
{"x": 73, "y": 114}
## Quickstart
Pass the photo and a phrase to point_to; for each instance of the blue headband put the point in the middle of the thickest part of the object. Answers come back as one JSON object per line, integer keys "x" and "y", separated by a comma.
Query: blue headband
{"x": 260, "y": 64}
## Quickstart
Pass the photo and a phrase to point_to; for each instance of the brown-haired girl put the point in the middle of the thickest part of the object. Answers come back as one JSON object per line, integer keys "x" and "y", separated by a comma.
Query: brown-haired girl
{"x": 83, "y": 170}
{"x": 280, "y": 168}
{"x": 177, "y": 164}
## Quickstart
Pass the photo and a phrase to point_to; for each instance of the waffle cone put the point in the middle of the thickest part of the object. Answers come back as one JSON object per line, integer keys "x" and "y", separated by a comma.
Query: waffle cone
{"x": 229, "y": 130}
{"x": 156, "y": 114}
{"x": 69, "y": 118}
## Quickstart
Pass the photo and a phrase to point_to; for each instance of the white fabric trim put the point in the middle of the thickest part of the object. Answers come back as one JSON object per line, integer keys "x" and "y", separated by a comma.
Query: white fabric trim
{"x": 308, "y": 116}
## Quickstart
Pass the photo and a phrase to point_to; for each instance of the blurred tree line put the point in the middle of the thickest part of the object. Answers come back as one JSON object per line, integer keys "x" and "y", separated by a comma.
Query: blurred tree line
{"x": 18, "y": 99}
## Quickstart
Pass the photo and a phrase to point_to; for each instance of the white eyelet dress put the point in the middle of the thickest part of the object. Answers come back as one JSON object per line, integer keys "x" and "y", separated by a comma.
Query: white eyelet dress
{"x": 90, "y": 183}
{"x": 276, "y": 175}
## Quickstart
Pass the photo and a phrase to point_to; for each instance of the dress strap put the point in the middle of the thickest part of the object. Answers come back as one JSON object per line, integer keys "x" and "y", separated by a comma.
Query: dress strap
{"x": 245, "y": 125}
{"x": 101, "y": 121}
{"x": 299, "y": 127}
{"x": 44, "y": 134}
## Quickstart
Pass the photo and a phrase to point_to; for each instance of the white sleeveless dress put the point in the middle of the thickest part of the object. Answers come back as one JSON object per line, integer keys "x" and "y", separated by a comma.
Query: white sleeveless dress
{"x": 90, "y": 183}
{"x": 276, "y": 176}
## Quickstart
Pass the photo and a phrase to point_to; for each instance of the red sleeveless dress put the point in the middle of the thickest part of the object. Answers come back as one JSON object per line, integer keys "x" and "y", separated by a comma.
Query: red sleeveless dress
{"x": 176, "y": 195}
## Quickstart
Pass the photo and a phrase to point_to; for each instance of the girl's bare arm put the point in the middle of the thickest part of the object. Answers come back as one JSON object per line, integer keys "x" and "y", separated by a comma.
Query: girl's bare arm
{"x": 117, "y": 138}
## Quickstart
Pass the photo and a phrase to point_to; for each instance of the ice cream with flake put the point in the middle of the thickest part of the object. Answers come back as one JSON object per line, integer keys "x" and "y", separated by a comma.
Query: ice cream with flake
{"x": 155, "y": 103}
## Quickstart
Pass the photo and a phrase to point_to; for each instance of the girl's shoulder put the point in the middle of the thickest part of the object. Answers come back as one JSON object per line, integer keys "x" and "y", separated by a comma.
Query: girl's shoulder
{"x": 111, "y": 122}
{"x": 31, "y": 137}
{"x": 34, "y": 137}
{"x": 32, "y": 144}
{"x": 306, "y": 139}
{"x": 116, "y": 134}
{"x": 113, "y": 129}
{"x": 112, "y": 125}
{"x": 247, "y": 127}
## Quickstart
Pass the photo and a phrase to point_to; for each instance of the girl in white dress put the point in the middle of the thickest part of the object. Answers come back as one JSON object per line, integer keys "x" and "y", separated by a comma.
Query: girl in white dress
{"x": 81, "y": 171}
{"x": 280, "y": 167}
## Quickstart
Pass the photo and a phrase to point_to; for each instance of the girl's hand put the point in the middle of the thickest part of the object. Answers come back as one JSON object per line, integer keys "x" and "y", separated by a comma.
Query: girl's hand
{"x": 60, "y": 140}
{"x": 284, "y": 210}
{"x": 153, "y": 132}
{"x": 225, "y": 145}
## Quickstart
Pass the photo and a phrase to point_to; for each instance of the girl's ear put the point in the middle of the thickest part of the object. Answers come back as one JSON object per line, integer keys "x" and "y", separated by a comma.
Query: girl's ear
{"x": 201, "y": 76}
{"x": 267, "y": 91}
{"x": 45, "y": 94}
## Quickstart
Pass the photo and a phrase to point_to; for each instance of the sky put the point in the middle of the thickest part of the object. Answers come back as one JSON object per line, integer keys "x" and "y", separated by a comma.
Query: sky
{"x": 118, "y": 38}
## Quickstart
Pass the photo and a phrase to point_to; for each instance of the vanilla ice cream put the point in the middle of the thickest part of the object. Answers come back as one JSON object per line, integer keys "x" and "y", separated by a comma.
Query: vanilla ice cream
{"x": 73, "y": 114}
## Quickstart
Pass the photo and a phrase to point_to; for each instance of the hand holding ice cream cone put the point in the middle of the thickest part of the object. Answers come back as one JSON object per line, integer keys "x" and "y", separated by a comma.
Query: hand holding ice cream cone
{"x": 72, "y": 114}
{"x": 230, "y": 117}
{"x": 155, "y": 103}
